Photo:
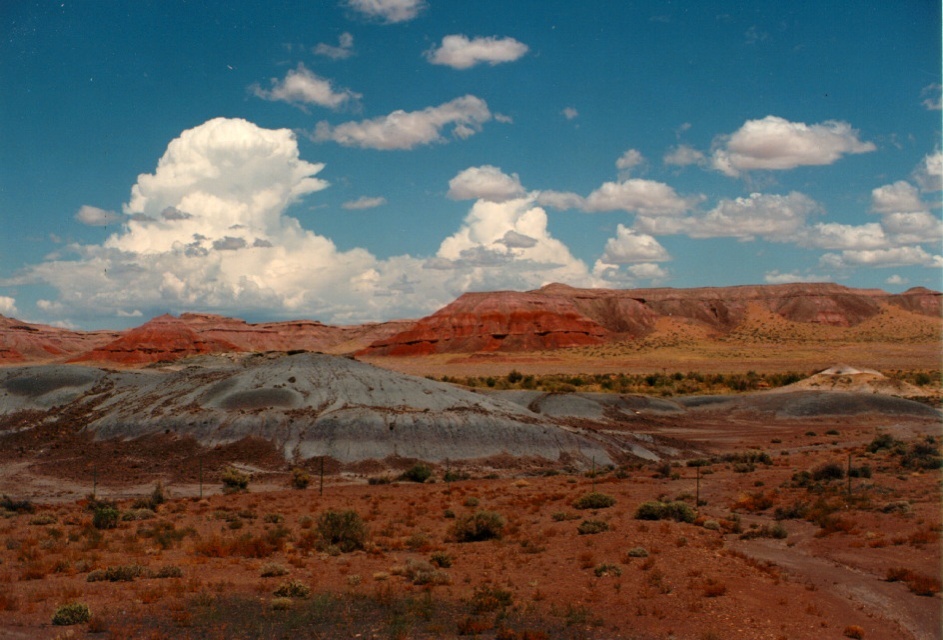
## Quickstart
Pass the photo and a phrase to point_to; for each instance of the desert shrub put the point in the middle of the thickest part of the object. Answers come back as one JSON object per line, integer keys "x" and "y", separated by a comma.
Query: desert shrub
{"x": 441, "y": 559}
{"x": 169, "y": 571}
{"x": 377, "y": 480}
{"x": 138, "y": 513}
{"x": 828, "y": 471}
{"x": 594, "y": 500}
{"x": 234, "y": 480}
{"x": 653, "y": 510}
{"x": 864, "y": 471}
{"x": 637, "y": 552}
{"x": 798, "y": 510}
{"x": 454, "y": 476}
{"x": 281, "y": 604}
{"x": 273, "y": 570}
{"x": 487, "y": 598}
{"x": 119, "y": 573}
{"x": 777, "y": 531}
{"x": 854, "y": 631}
{"x": 923, "y": 454}
{"x": 417, "y": 473}
{"x": 481, "y": 525}
{"x": 589, "y": 527}
{"x": 561, "y": 516}
{"x": 883, "y": 441}
{"x": 300, "y": 479}
{"x": 72, "y": 613}
{"x": 471, "y": 501}
{"x": 105, "y": 517}
{"x": 753, "y": 456}
{"x": 344, "y": 529}
{"x": 292, "y": 589}
{"x": 607, "y": 569}
{"x": 16, "y": 506}
{"x": 156, "y": 498}
{"x": 43, "y": 519}
{"x": 420, "y": 573}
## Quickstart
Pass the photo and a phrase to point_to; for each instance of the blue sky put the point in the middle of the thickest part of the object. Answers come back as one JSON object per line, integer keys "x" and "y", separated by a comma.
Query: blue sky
{"x": 361, "y": 160}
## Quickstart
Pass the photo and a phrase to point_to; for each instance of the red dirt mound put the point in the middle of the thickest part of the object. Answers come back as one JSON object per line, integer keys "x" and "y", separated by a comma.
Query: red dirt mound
{"x": 25, "y": 342}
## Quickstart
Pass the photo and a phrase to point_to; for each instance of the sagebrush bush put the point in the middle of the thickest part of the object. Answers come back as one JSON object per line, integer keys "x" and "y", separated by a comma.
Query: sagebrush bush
{"x": 417, "y": 473}
{"x": 292, "y": 589}
{"x": 344, "y": 529}
{"x": 300, "y": 479}
{"x": 654, "y": 510}
{"x": 589, "y": 527}
{"x": 481, "y": 525}
{"x": 105, "y": 517}
{"x": 234, "y": 480}
{"x": 594, "y": 500}
{"x": 72, "y": 613}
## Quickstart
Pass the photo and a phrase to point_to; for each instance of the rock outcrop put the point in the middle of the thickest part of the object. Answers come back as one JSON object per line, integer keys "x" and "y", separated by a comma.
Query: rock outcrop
{"x": 26, "y": 342}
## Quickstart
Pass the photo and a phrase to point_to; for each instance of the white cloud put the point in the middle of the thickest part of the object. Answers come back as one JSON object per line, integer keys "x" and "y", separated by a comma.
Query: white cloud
{"x": 302, "y": 87}
{"x": 562, "y": 200}
{"x": 487, "y": 183}
{"x": 514, "y": 240}
{"x": 95, "y": 217}
{"x": 570, "y": 113}
{"x": 931, "y": 95}
{"x": 913, "y": 228}
{"x": 121, "y": 313}
{"x": 896, "y": 280}
{"x": 775, "y": 277}
{"x": 343, "y": 50}
{"x": 833, "y": 235}
{"x": 630, "y": 246}
{"x": 929, "y": 173}
{"x": 684, "y": 155}
{"x": 647, "y": 271}
{"x": 773, "y": 217}
{"x": 899, "y": 196}
{"x": 893, "y": 257}
{"x": 364, "y": 202}
{"x": 389, "y": 11}
{"x": 460, "y": 52}
{"x": 637, "y": 196}
{"x": 776, "y": 143}
{"x": 406, "y": 130}
{"x": 629, "y": 160}
{"x": 8, "y": 305}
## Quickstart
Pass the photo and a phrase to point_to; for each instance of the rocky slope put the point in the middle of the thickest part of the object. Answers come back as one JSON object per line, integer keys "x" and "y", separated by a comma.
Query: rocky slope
{"x": 558, "y": 315}
{"x": 26, "y": 342}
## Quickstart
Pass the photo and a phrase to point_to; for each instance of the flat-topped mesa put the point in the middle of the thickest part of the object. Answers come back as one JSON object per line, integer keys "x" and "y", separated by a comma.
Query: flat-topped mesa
{"x": 499, "y": 321}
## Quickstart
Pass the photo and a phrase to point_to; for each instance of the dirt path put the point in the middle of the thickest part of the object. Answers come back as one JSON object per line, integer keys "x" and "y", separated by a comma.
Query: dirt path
{"x": 894, "y": 611}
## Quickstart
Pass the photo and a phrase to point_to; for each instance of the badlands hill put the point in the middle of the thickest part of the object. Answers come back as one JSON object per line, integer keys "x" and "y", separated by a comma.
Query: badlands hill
{"x": 562, "y": 316}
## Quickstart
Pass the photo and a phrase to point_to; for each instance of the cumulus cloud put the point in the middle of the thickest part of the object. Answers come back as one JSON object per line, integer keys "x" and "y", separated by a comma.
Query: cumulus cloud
{"x": 570, "y": 113}
{"x": 95, "y": 217}
{"x": 629, "y": 160}
{"x": 487, "y": 183}
{"x": 892, "y": 257}
{"x": 637, "y": 196}
{"x": 833, "y": 235}
{"x": 770, "y": 216}
{"x": 684, "y": 155}
{"x": 629, "y": 246}
{"x": 899, "y": 196}
{"x": 929, "y": 173}
{"x": 208, "y": 230}
{"x": 388, "y": 11}
{"x": 406, "y": 130}
{"x": 776, "y": 277}
{"x": 364, "y": 202}
{"x": 562, "y": 200}
{"x": 343, "y": 50}
{"x": 303, "y": 87}
{"x": 8, "y": 305}
{"x": 460, "y": 52}
{"x": 913, "y": 227}
{"x": 774, "y": 143}
{"x": 896, "y": 280}
{"x": 931, "y": 95}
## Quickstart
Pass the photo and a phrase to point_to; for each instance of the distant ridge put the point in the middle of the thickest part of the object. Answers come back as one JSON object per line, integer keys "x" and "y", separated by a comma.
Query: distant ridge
{"x": 553, "y": 317}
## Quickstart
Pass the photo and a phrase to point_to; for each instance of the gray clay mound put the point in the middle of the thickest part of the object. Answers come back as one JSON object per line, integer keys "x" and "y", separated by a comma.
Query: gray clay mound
{"x": 315, "y": 405}
{"x": 44, "y": 387}
{"x": 807, "y": 404}
{"x": 589, "y": 406}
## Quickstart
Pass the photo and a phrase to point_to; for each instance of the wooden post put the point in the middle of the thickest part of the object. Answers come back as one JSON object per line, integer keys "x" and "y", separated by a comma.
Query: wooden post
{"x": 321, "y": 488}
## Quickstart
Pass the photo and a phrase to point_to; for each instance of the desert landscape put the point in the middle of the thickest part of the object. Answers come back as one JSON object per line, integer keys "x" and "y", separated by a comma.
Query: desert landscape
{"x": 748, "y": 462}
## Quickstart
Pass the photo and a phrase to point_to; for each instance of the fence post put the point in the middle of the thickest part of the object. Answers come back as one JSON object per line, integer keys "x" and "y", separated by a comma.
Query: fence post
{"x": 321, "y": 488}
